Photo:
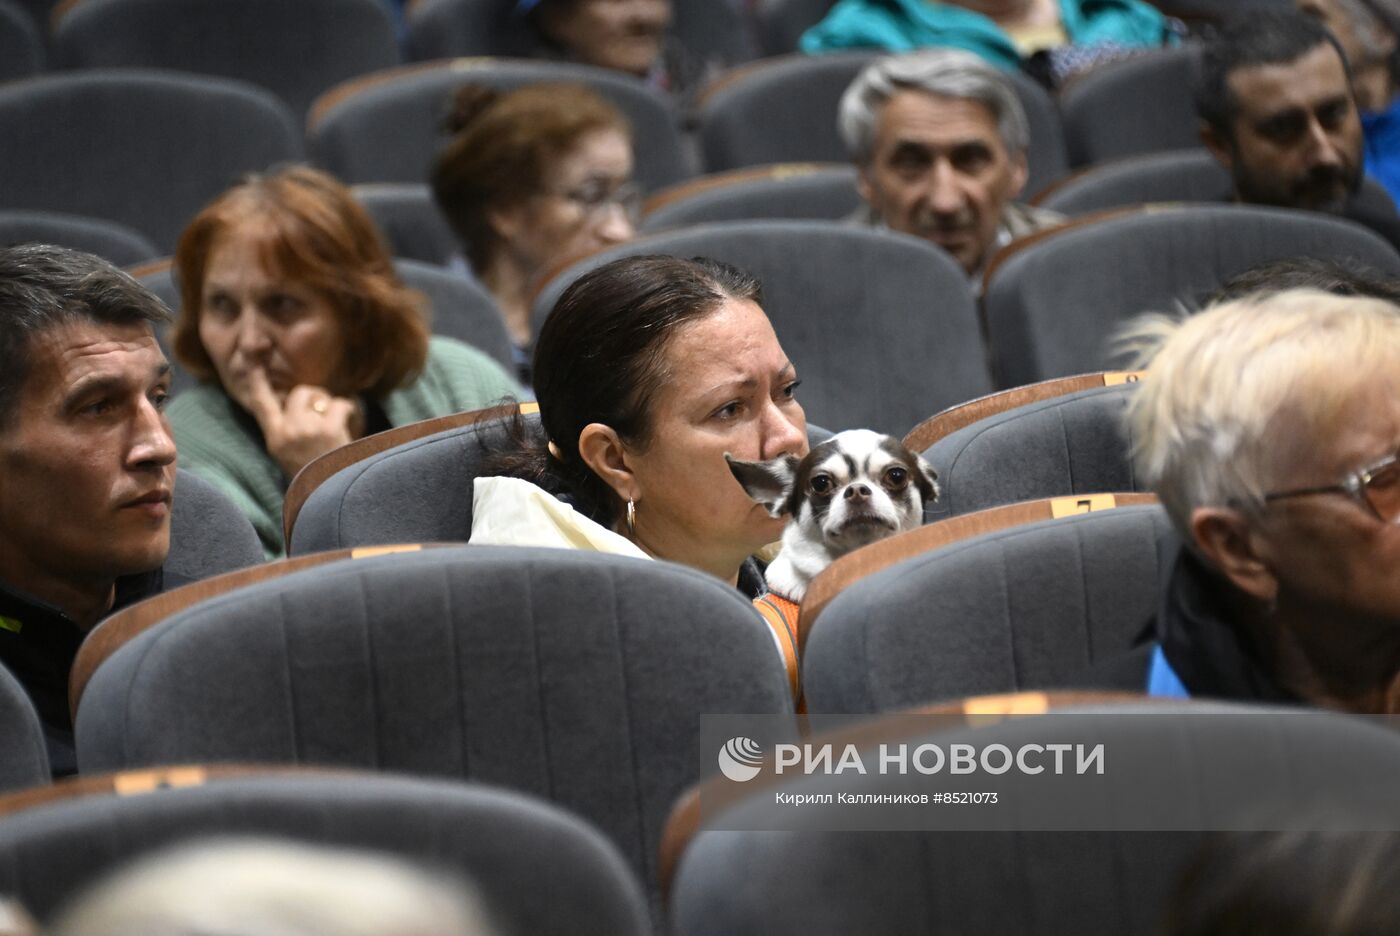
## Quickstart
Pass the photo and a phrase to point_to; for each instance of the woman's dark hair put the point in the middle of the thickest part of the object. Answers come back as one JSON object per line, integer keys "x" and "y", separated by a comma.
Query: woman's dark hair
{"x": 600, "y": 358}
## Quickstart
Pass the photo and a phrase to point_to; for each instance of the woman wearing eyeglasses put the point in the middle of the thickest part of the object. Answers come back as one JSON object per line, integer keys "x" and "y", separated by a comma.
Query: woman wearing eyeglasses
{"x": 1269, "y": 428}
{"x": 531, "y": 179}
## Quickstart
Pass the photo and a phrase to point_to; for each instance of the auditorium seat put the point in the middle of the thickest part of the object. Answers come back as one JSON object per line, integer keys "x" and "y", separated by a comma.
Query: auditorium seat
{"x": 21, "y": 43}
{"x": 209, "y": 535}
{"x": 810, "y": 191}
{"x": 1030, "y": 607}
{"x": 782, "y": 22}
{"x": 295, "y": 50}
{"x": 881, "y": 326}
{"x": 539, "y": 869}
{"x": 111, "y": 241}
{"x": 1143, "y": 104}
{"x": 144, "y": 148}
{"x": 386, "y": 127}
{"x": 574, "y": 676}
{"x": 410, "y": 220}
{"x": 25, "y": 760}
{"x": 1053, "y": 300}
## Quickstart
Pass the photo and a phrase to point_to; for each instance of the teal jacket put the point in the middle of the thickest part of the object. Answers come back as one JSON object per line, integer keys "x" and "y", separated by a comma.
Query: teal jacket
{"x": 905, "y": 25}
{"x": 217, "y": 440}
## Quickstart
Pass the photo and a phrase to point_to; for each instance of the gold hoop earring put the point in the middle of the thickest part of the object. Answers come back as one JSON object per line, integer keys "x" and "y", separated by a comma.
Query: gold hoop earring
{"x": 631, "y": 517}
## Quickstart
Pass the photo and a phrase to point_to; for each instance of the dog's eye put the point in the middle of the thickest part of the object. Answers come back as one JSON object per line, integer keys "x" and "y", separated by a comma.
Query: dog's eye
{"x": 896, "y": 476}
{"x": 821, "y": 484}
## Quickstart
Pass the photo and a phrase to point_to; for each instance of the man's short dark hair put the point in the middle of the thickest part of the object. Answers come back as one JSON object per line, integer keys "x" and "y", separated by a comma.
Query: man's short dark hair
{"x": 1261, "y": 38}
{"x": 43, "y": 287}
{"x": 1339, "y": 277}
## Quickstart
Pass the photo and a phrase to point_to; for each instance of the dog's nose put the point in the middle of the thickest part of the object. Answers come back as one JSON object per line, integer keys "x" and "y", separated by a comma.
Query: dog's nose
{"x": 857, "y": 492}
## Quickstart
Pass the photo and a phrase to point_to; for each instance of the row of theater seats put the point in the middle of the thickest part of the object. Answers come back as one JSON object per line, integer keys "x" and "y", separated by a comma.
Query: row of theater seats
{"x": 886, "y": 330}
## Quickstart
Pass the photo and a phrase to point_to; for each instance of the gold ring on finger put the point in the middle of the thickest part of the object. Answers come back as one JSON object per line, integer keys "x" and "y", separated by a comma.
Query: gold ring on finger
{"x": 319, "y": 406}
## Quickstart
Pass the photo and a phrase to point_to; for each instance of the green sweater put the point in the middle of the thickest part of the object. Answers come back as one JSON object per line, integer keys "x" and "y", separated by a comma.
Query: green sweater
{"x": 219, "y": 441}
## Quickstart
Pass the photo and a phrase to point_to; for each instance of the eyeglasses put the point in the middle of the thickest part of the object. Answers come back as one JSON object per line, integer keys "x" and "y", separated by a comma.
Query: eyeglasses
{"x": 595, "y": 200}
{"x": 1376, "y": 486}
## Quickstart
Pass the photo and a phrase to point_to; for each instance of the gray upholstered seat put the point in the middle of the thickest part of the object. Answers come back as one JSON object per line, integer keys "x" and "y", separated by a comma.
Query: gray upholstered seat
{"x": 147, "y": 149}
{"x": 114, "y": 242}
{"x": 410, "y": 220}
{"x": 881, "y": 326}
{"x": 575, "y": 676}
{"x": 21, "y": 44}
{"x": 1024, "y": 608}
{"x": 24, "y": 757}
{"x": 418, "y": 492}
{"x": 295, "y": 50}
{"x": 209, "y": 535}
{"x": 1175, "y": 176}
{"x": 1107, "y": 114}
{"x": 539, "y": 869}
{"x": 781, "y": 23}
{"x": 1073, "y": 444}
{"x": 784, "y": 110}
{"x": 1051, "y": 308}
{"x": 387, "y": 129}
{"x": 1236, "y": 762}
{"x": 802, "y": 191}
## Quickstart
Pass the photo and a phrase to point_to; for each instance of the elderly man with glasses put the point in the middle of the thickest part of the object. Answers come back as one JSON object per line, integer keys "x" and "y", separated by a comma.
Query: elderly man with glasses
{"x": 1269, "y": 428}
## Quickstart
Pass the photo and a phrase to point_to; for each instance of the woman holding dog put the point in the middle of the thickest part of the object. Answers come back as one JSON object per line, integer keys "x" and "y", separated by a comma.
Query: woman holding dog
{"x": 648, "y": 371}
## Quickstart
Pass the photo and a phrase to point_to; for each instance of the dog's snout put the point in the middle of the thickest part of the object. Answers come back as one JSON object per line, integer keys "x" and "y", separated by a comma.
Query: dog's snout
{"x": 857, "y": 492}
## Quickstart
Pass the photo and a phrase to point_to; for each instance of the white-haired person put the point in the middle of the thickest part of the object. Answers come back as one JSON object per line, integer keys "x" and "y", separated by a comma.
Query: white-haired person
{"x": 1269, "y": 427}
{"x": 269, "y": 887}
{"x": 939, "y": 139}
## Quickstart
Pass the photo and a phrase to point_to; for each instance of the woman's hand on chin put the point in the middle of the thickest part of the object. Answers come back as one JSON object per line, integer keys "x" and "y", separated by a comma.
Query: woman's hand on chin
{"x": 308, "y": 423}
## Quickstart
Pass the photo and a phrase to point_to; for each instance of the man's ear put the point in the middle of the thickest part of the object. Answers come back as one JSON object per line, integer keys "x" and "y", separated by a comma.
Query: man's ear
{"x": 863, "y": 185}
{"x": 1020, "y": 172}
{"x": 1218, "y": 145}
{"x": 602, "y": 450}
{"x": 768, "y": 482}
{"x": 1227, "y": 539}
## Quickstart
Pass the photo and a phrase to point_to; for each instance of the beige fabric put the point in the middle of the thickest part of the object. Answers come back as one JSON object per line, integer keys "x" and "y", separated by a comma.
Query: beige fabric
{"x": 513, "y": 512}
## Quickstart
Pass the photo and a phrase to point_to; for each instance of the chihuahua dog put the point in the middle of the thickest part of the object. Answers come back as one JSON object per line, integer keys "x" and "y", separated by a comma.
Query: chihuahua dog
{"x": 851, "y": 490}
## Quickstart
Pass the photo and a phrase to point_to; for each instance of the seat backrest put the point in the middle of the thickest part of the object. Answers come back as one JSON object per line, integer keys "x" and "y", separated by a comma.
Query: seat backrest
{"x": 21, "y": 43}
{"x": 147, "y": 149}
{"x": 1052, "y": 302}
{"x": 26, "y": 757}
{"x": 295, "y": 50}
{"x": 1073, "y": 444}
{"x": 386, "y": 127}
{"x": 784, "y": 110}
{"x": 1105, "y": 117}
{"x": 1175, "y": 176}
{"x": 881, "y": 326}
{"x": 419, "y": 491}
{"x": 409, "y": 219}
{"x": 782, "y": 22}
{"x": 1024, "y": 608}
{"x": 111, "y": 241}
{"x": 461, "y": 308}
{"x": 571, "y": 675}
{"x": 209, "y": 535}
{"x": 538, "y": 868}
{"x": 1178, "y": 768}
{"x": 812, "y": 191}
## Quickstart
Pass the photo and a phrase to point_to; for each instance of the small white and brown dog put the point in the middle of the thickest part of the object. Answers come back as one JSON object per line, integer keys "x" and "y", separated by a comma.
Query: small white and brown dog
{"x": 855, "y": 488}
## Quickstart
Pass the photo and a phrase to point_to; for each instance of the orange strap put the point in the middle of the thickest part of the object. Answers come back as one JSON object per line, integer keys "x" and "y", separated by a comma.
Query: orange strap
{"x": 781, "y": 615}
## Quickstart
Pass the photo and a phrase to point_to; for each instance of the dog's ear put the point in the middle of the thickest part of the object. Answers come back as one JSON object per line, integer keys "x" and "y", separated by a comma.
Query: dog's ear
{"x": 767, "y": 482}
{"x": 926, "y": 479}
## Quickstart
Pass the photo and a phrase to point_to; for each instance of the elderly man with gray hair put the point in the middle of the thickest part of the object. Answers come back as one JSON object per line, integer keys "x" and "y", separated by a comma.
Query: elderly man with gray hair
{"x": 939, "y": 138}
{"x": 1269, "y": 427}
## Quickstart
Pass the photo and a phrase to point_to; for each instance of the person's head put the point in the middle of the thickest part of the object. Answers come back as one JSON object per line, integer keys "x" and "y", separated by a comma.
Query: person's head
{"x": 535, "y": 176}
{"x": 286, "y": 273}
{"x": 87, "y": 463}
{"x": 252, "y": 887}
{"x": 1365, "y": 29}
{"x": 648, "y": 370}
{"x": 1289, "y": 884}
{"x": 1277, "y": 109}
{"x": 1340, "y": 278}
{"x": 626, "y": 35}
{"x": 939, "y": 138}
{"x": 1251, "y": 403}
